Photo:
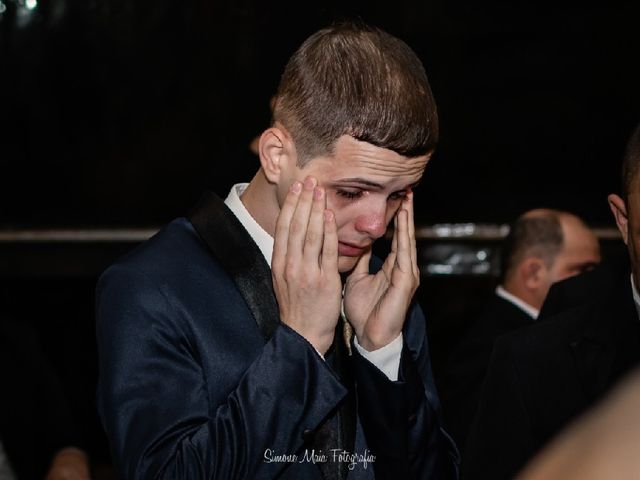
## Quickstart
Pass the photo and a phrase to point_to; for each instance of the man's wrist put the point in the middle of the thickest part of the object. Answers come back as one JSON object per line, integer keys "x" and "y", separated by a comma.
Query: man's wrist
{"x": 372, "y": 343}
{"x": 386, "y": 359}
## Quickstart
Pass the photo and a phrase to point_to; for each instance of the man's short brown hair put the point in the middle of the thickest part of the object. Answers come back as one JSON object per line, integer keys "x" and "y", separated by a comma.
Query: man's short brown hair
{"x": 357, "y": 80}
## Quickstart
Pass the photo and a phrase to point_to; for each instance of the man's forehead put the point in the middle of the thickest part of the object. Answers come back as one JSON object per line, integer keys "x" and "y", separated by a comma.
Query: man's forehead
{"x": 372, "y": 176}
{"x": 373, "y": 183}
{"x": 347, "y": 144}
{"x": 352, "y": 158}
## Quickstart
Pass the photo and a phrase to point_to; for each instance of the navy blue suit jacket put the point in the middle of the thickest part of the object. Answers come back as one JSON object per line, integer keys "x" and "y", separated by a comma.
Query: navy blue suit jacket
{"x": 189, "y": 387}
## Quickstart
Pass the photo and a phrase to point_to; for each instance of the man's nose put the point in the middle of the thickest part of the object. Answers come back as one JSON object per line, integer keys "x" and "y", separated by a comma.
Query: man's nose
{"x": 373, "y": 222}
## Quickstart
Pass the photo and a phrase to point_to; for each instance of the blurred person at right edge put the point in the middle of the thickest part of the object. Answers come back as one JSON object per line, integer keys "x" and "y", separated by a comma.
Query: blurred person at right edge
{"x": 601, "y": 445}
{"x": 542, "y": 377}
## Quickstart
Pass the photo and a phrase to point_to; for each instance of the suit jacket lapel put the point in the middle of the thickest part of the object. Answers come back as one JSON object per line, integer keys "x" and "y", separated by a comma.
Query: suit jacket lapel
{"x": 241, "y": 258}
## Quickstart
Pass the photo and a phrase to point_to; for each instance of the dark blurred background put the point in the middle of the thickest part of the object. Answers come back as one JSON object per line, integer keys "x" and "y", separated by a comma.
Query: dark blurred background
{"x": 118, "y": 114}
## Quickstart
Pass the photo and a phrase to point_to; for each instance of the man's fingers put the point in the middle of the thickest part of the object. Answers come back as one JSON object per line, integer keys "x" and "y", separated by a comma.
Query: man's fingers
{"x": 404, "y": 244}
{"x": 412, "y": 233}
{"x": 394, "y": 240}
{"x": 282, "y": 226}
{"x": 315, "y": 229}
{"x": 390, "y": 261}
{"x": 300, "y": 220}
{"x": 362, "y": 267}
{"x": 330, "y": 244}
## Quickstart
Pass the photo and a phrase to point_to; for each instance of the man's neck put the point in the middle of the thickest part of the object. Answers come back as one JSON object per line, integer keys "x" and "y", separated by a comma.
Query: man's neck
{"x": 259, "y": 198}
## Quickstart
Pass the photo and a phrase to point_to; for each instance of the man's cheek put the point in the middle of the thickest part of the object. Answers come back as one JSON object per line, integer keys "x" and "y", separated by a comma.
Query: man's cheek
{"x": 341, "y": 221}
{"x": 391, "y": 215}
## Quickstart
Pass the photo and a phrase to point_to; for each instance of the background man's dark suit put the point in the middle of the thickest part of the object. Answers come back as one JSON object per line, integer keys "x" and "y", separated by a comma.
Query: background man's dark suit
{"x": 466, "y": 368}
{"x": 543, "y": 376}
{"x": 198, "y": 377}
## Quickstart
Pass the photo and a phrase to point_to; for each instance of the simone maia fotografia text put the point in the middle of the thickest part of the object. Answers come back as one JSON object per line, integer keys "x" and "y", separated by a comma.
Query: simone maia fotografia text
{"x": 313, "y": 456}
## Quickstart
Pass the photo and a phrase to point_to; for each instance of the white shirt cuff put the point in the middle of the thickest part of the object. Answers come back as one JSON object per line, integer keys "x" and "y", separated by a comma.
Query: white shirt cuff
{"x": 387, "y": 358}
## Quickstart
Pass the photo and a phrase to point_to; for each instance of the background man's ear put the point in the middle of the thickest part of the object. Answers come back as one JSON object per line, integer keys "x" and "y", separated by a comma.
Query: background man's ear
{"x": 532, "y": 271}
{"x": 619, "y": 210}
{"x": 276, "y": 151}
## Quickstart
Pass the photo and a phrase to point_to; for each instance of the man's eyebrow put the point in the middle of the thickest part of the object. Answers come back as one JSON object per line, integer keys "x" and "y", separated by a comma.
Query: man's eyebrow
{"x": 369, "y": 183}
{"x": 361, "y": 181}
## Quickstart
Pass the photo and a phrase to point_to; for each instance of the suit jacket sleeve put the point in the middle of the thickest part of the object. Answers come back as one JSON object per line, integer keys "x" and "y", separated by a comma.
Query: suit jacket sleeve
{"x": 500, "y": 439}
{"x": 153, "y": 398}
{"x": 402, "y": 420}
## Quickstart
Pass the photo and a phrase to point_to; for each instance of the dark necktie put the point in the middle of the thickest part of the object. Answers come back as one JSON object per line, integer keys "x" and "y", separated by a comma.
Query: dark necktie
{"x": 338, "y": 430}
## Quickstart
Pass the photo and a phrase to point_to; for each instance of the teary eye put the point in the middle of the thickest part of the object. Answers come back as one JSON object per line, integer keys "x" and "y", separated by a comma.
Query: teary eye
{"x": 398, "y": 195}
{"x": 349, "y": 194}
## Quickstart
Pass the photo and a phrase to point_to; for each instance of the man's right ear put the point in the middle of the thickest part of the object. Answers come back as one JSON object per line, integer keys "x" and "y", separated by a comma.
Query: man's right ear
{"x": 531, "y": 271}
{"x": 275, "y": 149}
{"x": 619, "y": 210}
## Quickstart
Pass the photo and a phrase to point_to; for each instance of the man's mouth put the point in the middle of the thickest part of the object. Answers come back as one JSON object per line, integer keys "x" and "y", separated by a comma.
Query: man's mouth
{"x": 351, "y": 250}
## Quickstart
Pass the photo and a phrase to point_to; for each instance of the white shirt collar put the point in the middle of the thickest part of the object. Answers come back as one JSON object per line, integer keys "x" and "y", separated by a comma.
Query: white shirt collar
{"x": 257, "y": 233}
{"x": 522, "y": 305}
{"x": 636, "y": 296}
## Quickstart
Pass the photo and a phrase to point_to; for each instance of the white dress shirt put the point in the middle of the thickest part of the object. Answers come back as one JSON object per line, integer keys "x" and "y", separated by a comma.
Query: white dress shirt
{"x": 387, "y": 358}
{"x": 522, "y": 305}
{"x": 636, "y": 296}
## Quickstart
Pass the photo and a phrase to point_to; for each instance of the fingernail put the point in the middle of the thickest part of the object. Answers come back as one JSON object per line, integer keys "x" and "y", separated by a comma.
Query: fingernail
{"x": 296, "y": 187}
{"x": 318, "y": 193}
{"x": 328, "y": 215}
{"x": 309, "y": 183}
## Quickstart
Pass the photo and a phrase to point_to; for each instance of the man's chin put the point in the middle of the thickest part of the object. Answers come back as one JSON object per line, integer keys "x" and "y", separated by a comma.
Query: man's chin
{"x": 346, "y": 264}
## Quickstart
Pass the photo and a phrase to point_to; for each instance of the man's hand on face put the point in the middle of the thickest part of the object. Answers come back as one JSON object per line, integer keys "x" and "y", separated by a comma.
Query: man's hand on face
{"x": 305, "y": 264}
{"x": 376, "y": 305}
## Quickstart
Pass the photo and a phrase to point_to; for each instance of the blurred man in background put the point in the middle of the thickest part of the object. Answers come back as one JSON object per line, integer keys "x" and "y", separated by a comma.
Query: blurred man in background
{"x": 543, "y": 247}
